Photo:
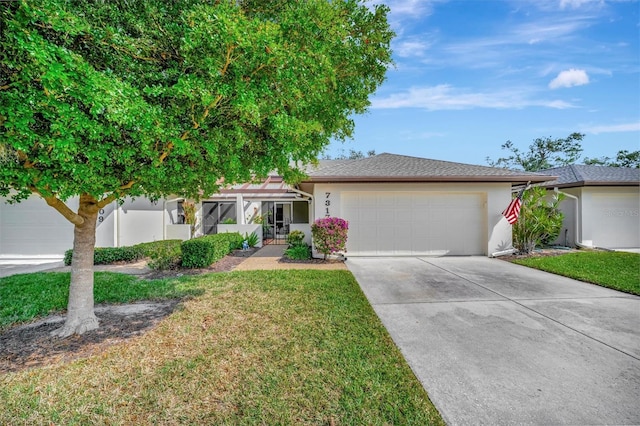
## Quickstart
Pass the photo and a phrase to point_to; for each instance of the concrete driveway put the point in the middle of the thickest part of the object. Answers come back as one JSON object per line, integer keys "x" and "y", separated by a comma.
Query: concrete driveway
{"x": 13, "y": 266}
{"x": 497, "y": 343}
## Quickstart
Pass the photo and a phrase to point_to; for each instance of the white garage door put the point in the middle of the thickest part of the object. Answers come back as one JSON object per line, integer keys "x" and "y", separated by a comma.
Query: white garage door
{"x": 414, "y": 223}
{"x": 617, "y": 221}
{"x": 33, "y": 228}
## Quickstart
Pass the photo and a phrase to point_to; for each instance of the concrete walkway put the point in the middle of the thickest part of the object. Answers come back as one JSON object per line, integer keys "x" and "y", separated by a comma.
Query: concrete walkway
{"x": 267, "y": 258}
{"x": 497, "y": 343}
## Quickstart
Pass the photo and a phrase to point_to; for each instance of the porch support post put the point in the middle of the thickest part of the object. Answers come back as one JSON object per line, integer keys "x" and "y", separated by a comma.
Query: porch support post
{"x": 240, "y": 209}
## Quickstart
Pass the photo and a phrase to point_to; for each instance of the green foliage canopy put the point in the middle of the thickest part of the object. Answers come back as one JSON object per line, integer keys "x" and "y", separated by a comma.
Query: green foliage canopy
{"x": 624, "y": 158}
{"x": 543, "y": 153}
{"x": 154, "y": 97}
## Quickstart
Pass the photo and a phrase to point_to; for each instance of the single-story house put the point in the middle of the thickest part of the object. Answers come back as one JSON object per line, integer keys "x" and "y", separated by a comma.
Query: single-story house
{"x": 601, "y": 207}
{"x": 395, "y": 205}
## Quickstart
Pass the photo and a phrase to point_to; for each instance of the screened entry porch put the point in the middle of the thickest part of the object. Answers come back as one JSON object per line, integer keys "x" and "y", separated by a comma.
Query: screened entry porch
{"x": 276, "y": 218}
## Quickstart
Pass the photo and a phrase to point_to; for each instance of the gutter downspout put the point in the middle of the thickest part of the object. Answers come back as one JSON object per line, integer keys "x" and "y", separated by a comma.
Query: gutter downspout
{"x": 503, "y": 252}
{"x": 578, "y": 242}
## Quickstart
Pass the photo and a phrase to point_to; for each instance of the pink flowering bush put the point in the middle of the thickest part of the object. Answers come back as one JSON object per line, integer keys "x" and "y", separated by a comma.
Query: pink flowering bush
{"x": 330, "y": 235}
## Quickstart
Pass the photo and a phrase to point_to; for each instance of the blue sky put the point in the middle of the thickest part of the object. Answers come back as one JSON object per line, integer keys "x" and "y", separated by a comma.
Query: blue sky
{"x": 471, "y": 74}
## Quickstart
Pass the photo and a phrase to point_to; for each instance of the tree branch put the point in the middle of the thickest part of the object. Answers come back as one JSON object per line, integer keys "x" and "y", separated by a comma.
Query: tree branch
{"x": 224, "y": 69}
{"x": 61, "y": 207}
{"x": 23, "y": 157}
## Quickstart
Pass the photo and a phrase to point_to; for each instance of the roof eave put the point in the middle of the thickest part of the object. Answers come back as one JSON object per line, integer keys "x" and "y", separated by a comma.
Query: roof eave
{"x": 592, "y": 183}
{"x": 432, "y": 179}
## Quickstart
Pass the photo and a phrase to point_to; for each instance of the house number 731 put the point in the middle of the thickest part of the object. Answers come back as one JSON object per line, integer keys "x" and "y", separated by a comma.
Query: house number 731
{"x": 327, "y": 204}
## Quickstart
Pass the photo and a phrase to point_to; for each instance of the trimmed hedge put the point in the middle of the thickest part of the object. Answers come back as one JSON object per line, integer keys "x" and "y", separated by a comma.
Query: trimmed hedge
{"x": 203, "y": 251}
{"x": 164, "y": 254}
{"x": 168, "y": 254}
{"x": 108, "y": 255}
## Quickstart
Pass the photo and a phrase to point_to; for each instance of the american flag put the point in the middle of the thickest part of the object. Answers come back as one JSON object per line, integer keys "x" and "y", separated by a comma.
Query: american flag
{"x": 513, "y": 209}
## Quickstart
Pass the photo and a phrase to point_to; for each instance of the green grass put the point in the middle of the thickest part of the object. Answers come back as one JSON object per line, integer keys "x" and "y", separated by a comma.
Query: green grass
{"x": 616, "y": 270}
{"x": 27, "y": 296}
{"x": 258, "y": 347}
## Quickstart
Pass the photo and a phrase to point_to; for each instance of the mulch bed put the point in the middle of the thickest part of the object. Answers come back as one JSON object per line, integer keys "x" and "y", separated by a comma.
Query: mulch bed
{"x": 546, "y": 252}
{"x": 225, "y": 264}
{"x": 285, "y": 259}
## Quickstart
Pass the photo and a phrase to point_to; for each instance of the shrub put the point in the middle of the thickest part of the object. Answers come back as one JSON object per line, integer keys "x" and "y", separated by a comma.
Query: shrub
{"x": 235, "y": 240}
{"x": 203, "y": 251}
{"x": 330, "y": 235}
{"x": 165, "y": 254}
{"x": 295, "y": 238}
{"x": 252, "y": 239}
{"x": 298, "y": 252}
{"x": 540, "y": 220}
{"x": 108, "y": 255}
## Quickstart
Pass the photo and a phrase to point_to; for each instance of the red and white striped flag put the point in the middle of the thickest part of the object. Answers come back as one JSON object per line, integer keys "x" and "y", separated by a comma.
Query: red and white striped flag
{"x": 513, "y": 209}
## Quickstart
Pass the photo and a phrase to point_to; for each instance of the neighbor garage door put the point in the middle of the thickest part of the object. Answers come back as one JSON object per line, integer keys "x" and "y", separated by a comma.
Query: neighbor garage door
{"x": 414, "y": 223}
{"x": 33, "y": 228}
{"x": 616, "y": 220}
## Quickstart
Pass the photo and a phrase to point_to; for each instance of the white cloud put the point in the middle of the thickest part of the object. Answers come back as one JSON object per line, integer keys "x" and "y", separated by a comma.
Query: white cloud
{"x": 614, "y": 128}
{"x": 570, "y": 78}
{"x": 411, "y": 48}
{"x": 415, "y": 8}
{"x": 446, "y": 97}
{"x": 576, "y": 4}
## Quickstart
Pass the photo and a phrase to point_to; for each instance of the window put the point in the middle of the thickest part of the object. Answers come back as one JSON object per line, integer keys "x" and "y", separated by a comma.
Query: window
{"x": 180, "y": 214}
{"x": 300, "y": 212}
{"x": 215, "y": 213}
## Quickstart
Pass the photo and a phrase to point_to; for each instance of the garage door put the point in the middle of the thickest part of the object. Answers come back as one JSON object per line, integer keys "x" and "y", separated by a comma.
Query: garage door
{"x": 33, "y": 228}
{"x": 616, "y": 220}
{"x": 414, "y": 223}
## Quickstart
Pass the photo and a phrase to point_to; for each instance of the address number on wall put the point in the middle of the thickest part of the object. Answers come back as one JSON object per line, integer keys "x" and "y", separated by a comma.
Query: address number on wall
{"x": 327, "y": 204}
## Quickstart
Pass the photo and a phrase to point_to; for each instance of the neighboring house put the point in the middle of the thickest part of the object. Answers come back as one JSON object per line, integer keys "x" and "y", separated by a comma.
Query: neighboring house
{"x": 395, "y": 205}
{"x": 602, "y": 205}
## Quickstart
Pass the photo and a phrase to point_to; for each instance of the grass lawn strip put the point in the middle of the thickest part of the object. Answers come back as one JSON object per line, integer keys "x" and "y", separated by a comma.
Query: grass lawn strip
{"x": 27, "y": 296}
{"x": 616, "y": 270}
{"x": 259, "y": 347}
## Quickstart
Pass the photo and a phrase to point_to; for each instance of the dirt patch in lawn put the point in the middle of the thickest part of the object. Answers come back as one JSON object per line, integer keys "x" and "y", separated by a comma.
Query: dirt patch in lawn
{"x": 31, "y": 345}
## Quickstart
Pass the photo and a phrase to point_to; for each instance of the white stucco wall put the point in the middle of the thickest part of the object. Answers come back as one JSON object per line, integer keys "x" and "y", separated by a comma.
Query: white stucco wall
{"x": 33, "y": 228}
{"x": 570, "y": 234}
{"x": 140, "y": 221}
{"x": 106, "y": 225}
{"x": 495, "y": 196}
{"x": 608, "y": 217}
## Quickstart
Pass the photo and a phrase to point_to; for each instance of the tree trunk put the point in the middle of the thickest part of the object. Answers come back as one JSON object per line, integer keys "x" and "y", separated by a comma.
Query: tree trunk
{"x": 80, "y": 315}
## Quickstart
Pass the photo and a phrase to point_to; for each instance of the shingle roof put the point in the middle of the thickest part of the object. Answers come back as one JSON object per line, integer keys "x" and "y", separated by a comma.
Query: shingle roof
{"x": 586, "y": 175}
{"x": 400, "y": 168}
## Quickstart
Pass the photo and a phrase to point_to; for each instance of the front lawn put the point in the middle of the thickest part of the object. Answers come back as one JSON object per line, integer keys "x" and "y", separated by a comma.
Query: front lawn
{"x": 616, "y": 270}
{"x": 258, "y": 347}
{"x": 27, "y": 296}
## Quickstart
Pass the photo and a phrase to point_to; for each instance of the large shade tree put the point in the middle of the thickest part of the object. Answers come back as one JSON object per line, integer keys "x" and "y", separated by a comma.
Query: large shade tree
{"x": 107, "y": 99}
